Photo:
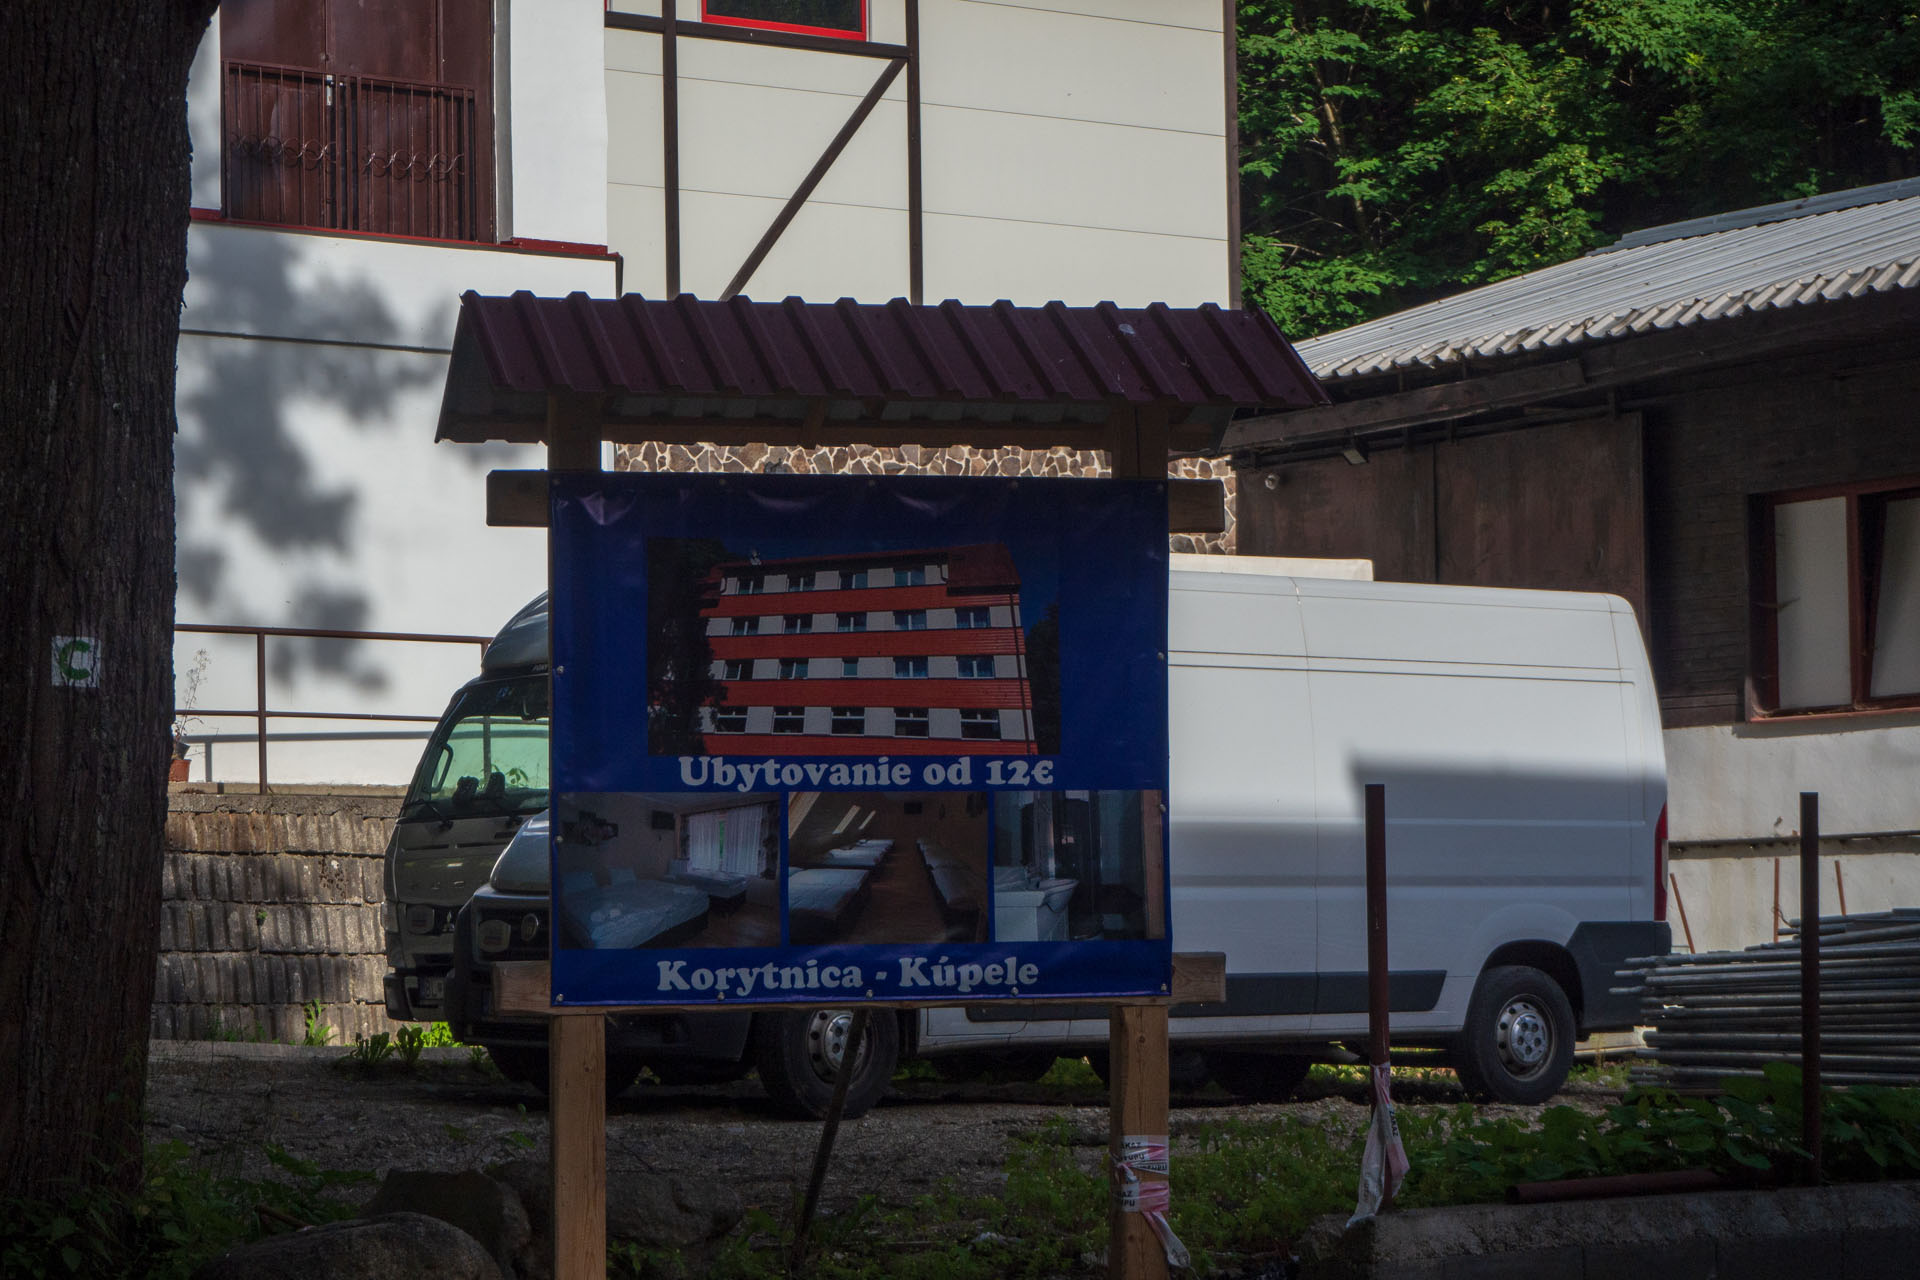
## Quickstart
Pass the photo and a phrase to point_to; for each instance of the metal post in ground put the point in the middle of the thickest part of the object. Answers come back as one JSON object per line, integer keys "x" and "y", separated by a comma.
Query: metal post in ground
{"x": 829, "y": 1128}
{"x": 1377, "y": 972}
{"x": 1810, "y": 980}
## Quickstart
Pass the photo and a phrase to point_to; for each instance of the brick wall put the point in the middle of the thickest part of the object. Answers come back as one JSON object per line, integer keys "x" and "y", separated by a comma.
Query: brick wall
{"x": 268, "y": 902}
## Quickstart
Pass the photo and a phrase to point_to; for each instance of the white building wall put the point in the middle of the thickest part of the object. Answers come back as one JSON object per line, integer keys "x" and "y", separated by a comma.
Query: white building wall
{"x": 309, "y": 489}
{"x": 1734, "y": 822}
{"x": 1071, "y": 152}
{"x": 1743, "y": 782}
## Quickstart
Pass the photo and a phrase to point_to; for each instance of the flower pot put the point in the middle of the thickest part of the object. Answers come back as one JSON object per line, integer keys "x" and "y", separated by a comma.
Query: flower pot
{"x": 178, "y": 769}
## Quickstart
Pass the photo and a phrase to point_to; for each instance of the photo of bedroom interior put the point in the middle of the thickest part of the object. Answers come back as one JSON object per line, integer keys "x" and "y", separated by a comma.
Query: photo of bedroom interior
{"x": 1071, "y": 865}
{"x": 668, "y": 870}
{"x": 884, "y": 866}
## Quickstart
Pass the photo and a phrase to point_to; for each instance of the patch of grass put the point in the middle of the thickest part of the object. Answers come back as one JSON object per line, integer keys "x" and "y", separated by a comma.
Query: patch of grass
{"x": 1607, "y": 1073}
{"x": 318, "y": 1033}
{"x": 369, "y": 1052}
{"x": 181, "y": 1216}
{"x": 1071, "y": 1074}
{"x": 438, "y": 1035}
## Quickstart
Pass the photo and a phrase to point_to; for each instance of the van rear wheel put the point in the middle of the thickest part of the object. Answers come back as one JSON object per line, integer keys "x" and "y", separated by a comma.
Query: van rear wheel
{"x": 1517, "y": 1043}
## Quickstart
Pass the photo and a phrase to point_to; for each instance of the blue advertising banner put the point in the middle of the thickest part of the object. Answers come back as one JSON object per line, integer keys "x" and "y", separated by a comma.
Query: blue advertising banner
{"x": 838, "y": 738}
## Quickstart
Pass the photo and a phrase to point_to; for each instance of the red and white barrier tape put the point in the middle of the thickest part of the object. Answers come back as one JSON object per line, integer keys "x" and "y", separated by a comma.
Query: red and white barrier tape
{"x": 1151, "y": 1196}
{"x": 1384, "y": 1163}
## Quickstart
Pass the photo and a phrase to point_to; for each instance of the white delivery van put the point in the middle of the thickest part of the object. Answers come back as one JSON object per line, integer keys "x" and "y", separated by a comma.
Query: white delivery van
{"x": 1518, "y": 738}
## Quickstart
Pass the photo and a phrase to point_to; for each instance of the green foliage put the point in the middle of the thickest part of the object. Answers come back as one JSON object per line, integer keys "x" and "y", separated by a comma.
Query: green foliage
{"x": 318, "y": 1033}
{"x": 1752, "y": 1128}
{"x": 183, "y": 1215}
{"x": 369, "y": 1052}
{"x": 1393, "y": 152}
{"x": 409, "y": 1043}
{"x": 438, "y": 1035}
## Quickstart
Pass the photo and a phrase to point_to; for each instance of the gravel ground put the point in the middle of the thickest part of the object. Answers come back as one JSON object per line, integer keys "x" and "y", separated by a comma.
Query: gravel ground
{"x": 228, "y": 1102}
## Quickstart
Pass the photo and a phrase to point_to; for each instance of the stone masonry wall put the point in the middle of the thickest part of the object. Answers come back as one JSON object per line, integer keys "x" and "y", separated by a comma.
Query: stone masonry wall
{"x": 960, "y": 460}
{"x": 268, "y": 902}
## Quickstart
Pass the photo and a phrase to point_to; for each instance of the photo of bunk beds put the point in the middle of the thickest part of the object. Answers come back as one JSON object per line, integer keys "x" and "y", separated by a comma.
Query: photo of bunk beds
{"x": 862, "y": 854}
{"x": 822, "y": 901}
{"x": 957, "y": 884}
{"x": 857, "y": 869}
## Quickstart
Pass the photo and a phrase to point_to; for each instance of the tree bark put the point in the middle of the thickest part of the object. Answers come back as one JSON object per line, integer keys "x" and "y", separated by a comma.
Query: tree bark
{"x": 93, "y": 221}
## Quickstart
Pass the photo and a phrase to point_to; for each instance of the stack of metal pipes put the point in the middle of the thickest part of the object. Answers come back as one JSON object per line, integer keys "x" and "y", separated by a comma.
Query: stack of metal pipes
{"x": 1730, "y": 1013}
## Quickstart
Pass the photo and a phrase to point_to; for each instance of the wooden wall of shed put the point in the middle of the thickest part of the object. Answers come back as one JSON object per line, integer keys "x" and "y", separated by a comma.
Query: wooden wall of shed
{"x": 1709, "y": 445}
{"x": 1555, "y": 506}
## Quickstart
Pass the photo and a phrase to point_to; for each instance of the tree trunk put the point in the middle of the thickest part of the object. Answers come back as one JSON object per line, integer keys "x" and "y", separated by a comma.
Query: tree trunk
{"x": 93, "y": 219}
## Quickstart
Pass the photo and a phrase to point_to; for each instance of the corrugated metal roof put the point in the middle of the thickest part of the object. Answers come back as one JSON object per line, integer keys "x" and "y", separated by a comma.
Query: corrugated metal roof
{"x": 687, "y": 359}
{"x": 1647, "y": 283}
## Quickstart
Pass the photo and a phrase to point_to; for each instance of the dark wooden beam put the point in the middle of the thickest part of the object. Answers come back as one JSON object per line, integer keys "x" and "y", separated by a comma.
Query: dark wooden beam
{"x": 670, "y": 139}
{"x": 753, "y": 35}
{"x": 916, "y": 241}
{"x": 517, "y": 499}
{"x": 573, "y": 432}
{"x": 1409, "y": 408}
{"x": 791, "y": 209}
{"x": 1194, "y": 506}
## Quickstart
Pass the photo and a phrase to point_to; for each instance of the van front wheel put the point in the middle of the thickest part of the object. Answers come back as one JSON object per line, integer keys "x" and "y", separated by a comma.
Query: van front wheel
{"x": 1518, "y": 1040}
{"x": 799, "y": 1054}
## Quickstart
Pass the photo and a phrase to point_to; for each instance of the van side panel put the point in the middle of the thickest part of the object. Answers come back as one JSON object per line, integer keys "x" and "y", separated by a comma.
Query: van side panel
{"x": 1648, "y": 754}
{"x": 1243, "y": 821}
{"x": 1498, "y": 731}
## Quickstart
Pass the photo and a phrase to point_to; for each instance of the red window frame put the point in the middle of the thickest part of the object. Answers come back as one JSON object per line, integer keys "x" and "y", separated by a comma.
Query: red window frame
{"x": 1763, "y": 688}
{"x": 791, "y": 28}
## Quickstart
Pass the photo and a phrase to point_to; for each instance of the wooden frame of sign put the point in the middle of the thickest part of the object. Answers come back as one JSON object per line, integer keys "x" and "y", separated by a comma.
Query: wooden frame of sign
{"x": 1136, "y": 440}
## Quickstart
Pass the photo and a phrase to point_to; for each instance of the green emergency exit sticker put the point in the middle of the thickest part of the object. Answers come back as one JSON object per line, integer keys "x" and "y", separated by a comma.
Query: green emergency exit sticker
{"x": 76, "y": 662}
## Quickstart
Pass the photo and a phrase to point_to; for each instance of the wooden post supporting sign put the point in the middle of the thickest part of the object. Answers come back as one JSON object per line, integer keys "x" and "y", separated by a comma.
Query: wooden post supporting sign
{"x": 1137, "y": 1045}
{"x": 577, "y": 1046}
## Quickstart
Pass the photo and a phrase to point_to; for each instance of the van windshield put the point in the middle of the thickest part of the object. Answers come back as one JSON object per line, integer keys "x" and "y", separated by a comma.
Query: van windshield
{"x": 488, "y": 754}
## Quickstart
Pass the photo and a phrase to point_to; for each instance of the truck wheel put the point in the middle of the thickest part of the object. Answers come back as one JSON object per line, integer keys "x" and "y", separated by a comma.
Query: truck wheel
{"x": 798, "y": 1055}
{"x": 527, "y": 1064}
{"x": 1518, "y": 1040}
{"x": 1261, "y": 1077}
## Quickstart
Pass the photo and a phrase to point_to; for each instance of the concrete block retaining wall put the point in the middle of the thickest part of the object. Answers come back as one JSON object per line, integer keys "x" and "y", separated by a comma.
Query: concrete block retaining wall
{"x": 1859, "y": 1232}
{"x": 268, "y": 902}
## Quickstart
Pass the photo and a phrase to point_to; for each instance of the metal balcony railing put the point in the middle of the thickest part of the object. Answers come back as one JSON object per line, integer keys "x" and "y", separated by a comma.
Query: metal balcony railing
{"x": 351, "y": 153}
{"x": 261, "y": 713}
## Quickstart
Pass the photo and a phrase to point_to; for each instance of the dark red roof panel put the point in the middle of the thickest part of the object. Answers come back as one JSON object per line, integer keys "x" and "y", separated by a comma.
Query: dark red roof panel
{"x": 1028, "y": 361}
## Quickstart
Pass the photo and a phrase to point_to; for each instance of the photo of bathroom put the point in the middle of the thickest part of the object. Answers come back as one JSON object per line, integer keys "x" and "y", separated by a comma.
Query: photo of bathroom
{"x": 1072, "y": 865}
{"x": 886, "y": 866}
{"x": 679, "y": 869}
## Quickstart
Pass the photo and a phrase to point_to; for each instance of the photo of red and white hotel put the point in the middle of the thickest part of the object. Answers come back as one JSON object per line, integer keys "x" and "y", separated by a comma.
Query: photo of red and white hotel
{"x": 894, "y": 652}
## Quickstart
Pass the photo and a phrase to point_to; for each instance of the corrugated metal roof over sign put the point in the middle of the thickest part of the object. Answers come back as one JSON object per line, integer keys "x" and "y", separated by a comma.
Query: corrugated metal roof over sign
{"x": 1650, "y": 282}
{"x": 681, "y": 361}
